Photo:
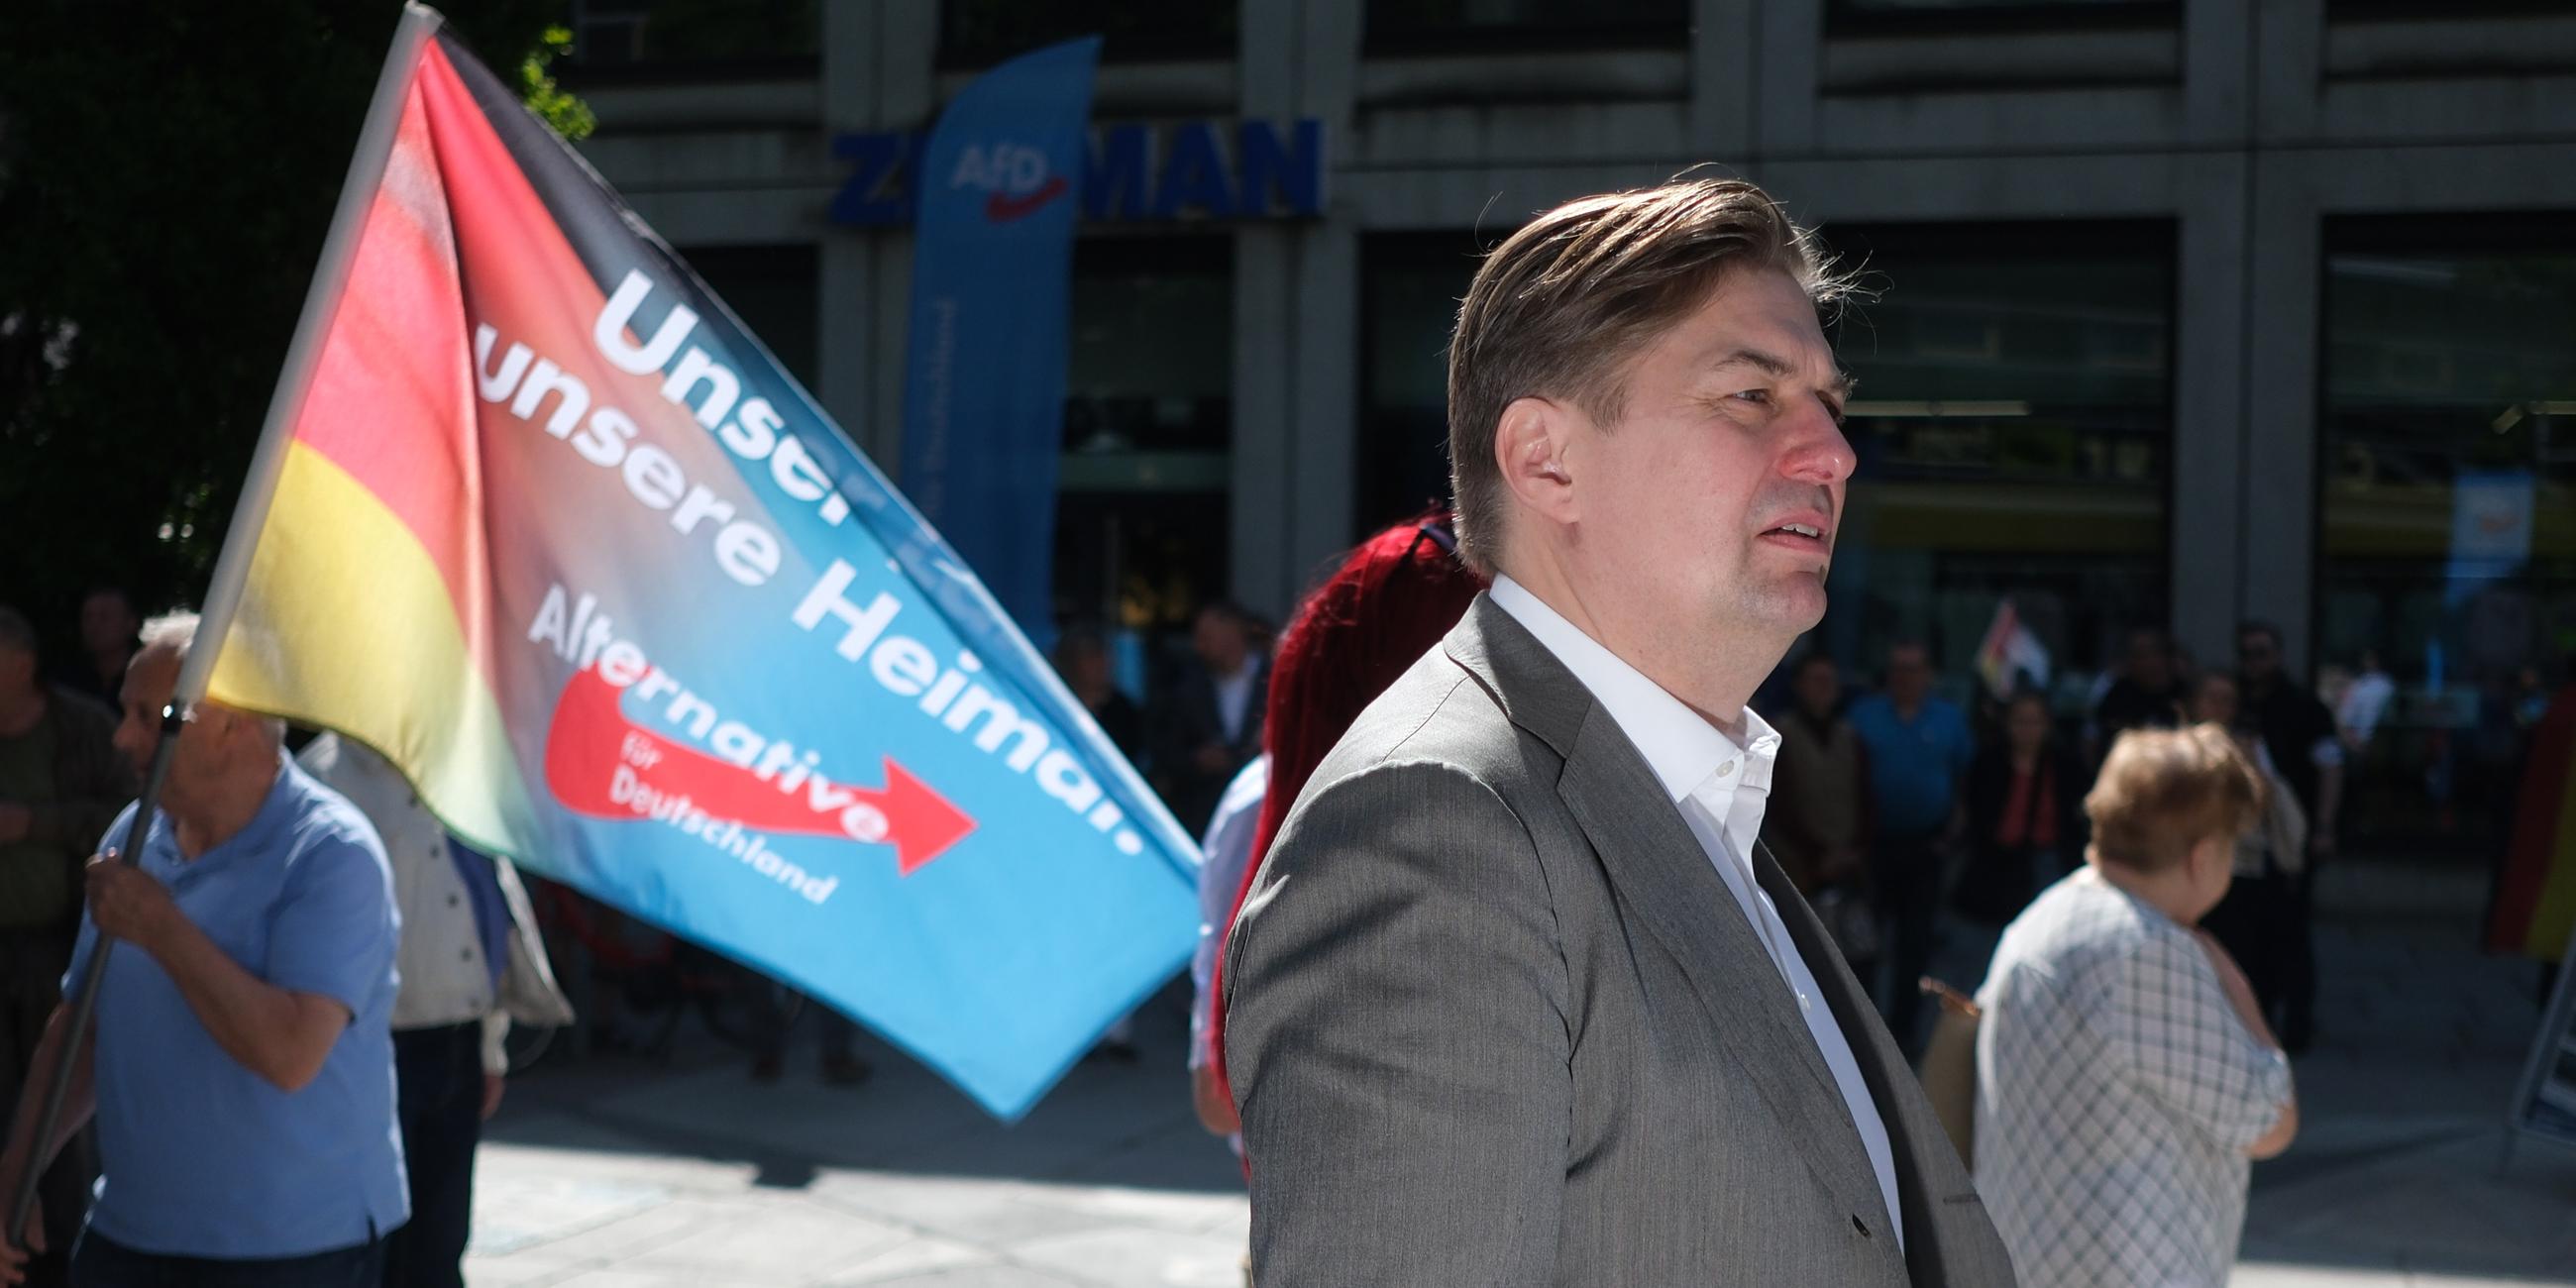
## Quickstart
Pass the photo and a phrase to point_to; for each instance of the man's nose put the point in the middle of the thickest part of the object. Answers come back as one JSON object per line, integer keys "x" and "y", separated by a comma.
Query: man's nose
{"x": 1817, "y": 451}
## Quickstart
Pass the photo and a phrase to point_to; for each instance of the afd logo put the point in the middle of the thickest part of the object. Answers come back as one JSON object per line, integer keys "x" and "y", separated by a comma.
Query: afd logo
{"x": 1013, "y": 178}
{"x": 1250, "y": 169}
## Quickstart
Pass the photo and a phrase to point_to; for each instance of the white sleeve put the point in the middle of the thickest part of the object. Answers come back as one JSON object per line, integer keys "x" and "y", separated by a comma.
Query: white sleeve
{"x": 1225, "y": 853}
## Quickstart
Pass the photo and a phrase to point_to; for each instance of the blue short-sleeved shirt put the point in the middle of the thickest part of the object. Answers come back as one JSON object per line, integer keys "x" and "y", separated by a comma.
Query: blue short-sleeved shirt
{"x": 200, "y": 1156}
{"x": 1914, "y": 765}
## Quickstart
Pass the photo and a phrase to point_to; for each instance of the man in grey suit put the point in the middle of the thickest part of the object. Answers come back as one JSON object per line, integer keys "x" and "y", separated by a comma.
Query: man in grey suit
{"x": 1516, "y": 998}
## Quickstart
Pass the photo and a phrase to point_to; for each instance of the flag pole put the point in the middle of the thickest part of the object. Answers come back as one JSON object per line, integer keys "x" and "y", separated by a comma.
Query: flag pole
{"x": 232, "y": 567}
{"x": 321, "y": 303}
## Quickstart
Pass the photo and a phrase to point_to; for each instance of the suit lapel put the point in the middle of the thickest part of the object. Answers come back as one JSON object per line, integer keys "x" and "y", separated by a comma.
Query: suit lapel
{"x": 1665, "y": 878}
{"x": 1923, "y": 1178}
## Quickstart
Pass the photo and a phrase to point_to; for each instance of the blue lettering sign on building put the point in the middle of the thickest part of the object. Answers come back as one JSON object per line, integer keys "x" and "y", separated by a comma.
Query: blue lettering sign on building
{"x": 1192, "y": 170}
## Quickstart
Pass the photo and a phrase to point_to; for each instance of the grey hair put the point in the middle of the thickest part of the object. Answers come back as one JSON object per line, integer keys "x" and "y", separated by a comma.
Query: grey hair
{"x": 178, "y": 633}
{"x": 174, "y": 631}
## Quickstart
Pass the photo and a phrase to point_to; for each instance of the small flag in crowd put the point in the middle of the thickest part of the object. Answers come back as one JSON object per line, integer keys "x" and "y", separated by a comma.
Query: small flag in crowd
{"x": 2011, "y": 655}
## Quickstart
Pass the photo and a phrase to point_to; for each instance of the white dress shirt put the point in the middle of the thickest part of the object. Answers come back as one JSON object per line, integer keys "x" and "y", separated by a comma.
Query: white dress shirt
{"x": 1224, "y": 854}
{"x": 1720, "y": 790}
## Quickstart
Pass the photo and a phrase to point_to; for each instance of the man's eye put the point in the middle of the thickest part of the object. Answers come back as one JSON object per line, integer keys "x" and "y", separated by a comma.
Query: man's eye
{"x": 1755, "y": 395}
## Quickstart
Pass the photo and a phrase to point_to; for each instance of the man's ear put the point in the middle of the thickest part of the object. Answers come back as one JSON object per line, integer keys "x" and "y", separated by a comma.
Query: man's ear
{"x": 1530, "y": 447}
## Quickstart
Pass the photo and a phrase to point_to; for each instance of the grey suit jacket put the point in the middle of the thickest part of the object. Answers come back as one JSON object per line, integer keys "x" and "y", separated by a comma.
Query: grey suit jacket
{"x": 1494, "y": 1018}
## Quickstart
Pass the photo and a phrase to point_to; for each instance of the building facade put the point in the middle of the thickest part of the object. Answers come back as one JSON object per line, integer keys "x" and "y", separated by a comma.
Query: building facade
{"x": 2187, "y": 311}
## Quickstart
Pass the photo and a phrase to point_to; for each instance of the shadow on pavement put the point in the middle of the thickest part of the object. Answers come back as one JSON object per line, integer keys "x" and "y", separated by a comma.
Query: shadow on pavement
{"x": 1108, "y": 1123}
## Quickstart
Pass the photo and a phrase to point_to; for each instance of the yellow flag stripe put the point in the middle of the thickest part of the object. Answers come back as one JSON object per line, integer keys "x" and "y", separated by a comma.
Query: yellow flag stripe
{"x": 347, "y": 624}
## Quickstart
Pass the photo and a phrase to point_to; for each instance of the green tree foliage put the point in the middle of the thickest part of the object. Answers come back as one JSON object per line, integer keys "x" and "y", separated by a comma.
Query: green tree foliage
{"x": 569, "y": 115}
{"x": 167, "y": 172}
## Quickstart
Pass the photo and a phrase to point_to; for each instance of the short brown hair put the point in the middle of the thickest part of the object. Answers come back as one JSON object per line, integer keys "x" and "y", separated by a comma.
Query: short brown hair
{"x": 2163, "y": 791}
{"x": 1562, "y": 304}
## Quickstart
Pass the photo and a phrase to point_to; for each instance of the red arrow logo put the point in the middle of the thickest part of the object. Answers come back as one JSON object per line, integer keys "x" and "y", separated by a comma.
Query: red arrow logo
{"x": 1002, "y": 208}
{"x": 600, "y": 764}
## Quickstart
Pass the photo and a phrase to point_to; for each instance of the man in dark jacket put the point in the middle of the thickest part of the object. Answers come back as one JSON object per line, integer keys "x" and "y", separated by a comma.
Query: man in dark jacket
{"x": 2301, "y": 735}
{"x": 2148, "y": 695}
{"x": 1213, "y": 725}
{"x": 1082, "y": 657}
{"x": 61, "y": 784}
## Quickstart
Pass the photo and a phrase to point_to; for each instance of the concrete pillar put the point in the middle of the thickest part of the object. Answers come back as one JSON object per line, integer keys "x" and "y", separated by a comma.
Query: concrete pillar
{"x": 2205, "y": 518}
{"x": 877, "y": 64}
{"x": 2289, "y": 61}
{"x": 1264, "y": 362}
{"x": 1789, "y": 45}
{"x": 1725, "y": 79}
{"x": 2219, "y": 71}
{"x": 1296, "y": 298}
{"x": 2282, "y": 285}
{"x": 2282, "y": 324}
{"x": 1325, "y": 435}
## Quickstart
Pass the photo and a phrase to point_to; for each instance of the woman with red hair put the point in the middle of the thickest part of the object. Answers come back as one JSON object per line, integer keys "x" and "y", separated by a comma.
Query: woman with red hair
{"x": 1389, "y": 603}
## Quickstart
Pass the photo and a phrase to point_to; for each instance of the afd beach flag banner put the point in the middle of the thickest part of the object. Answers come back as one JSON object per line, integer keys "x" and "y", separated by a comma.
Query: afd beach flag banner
{"x": 537, "y": 518}
{"x": 992, "y": 267}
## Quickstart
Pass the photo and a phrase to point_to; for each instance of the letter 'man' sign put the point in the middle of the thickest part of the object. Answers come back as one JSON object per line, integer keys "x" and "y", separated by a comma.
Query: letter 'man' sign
{"x": 1201, "y": 170}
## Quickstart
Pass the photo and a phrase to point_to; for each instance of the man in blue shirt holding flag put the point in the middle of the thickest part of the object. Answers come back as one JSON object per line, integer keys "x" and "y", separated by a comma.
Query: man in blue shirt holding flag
{"x": 240, "y": 1067}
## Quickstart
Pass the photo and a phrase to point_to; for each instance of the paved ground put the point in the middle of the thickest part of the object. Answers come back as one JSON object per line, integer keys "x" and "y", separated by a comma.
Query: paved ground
{"x": 635, "y": 1174}
{"x": 2397, "y": 1176}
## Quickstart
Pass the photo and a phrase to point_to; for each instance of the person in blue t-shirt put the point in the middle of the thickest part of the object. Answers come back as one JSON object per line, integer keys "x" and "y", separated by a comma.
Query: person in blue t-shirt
{"x": 241, "y": 1065}
{"x": 1919, "y": 750}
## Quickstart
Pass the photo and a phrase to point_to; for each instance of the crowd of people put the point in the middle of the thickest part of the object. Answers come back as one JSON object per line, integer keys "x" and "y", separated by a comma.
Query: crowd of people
{"x": 1945, "y": 824}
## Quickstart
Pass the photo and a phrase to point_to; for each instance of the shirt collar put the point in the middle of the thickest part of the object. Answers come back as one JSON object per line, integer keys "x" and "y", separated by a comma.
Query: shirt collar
{"x": 1685, "y": 751}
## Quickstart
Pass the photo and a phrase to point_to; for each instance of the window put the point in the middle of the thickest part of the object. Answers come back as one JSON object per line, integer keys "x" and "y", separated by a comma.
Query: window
{"x": 1410, "y": 286}
{"x": 2013, "y": 425}
{"x": 1457, "y": 26}
{"x": 980, "y": 33}
{"x": 724, "y": 36}
{"x": 1152, "y": 366}
{"x": 2417, "y": 11}
{"x": 2447, "y": 507}
{"x": 1142, "y": 523}
{"x": 1887, "y": 17}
